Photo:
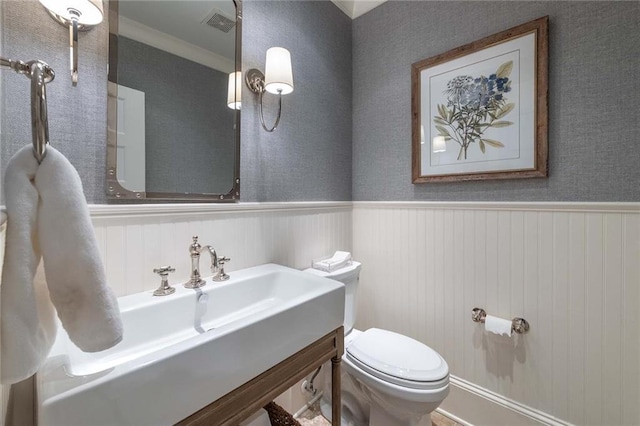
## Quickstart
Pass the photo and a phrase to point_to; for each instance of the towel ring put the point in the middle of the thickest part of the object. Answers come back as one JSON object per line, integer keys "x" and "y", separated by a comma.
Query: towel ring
{"x": 40, "y": 73}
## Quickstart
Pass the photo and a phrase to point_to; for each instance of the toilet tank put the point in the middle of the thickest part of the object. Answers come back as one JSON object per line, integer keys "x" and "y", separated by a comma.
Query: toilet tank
{"x": 349, "y": 276}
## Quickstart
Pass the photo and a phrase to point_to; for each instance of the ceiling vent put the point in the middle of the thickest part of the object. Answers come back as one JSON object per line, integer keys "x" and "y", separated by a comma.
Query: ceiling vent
{"x": 218, "y": 20}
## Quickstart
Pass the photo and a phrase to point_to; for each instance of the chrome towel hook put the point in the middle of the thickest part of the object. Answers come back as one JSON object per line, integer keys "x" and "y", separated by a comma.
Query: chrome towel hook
{"x": 40, "y": 74}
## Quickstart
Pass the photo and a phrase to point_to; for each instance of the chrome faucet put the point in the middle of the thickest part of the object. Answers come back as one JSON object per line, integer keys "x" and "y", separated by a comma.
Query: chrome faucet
{"x": 217, "y": 265}
{"x": 195, "y": 249}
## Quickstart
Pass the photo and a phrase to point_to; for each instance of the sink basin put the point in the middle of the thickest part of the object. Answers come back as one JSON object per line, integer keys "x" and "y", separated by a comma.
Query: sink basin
{"x": 184, "y": 351}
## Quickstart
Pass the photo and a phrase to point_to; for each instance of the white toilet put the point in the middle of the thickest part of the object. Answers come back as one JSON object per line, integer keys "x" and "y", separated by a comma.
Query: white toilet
{"x": 388, "y": 379}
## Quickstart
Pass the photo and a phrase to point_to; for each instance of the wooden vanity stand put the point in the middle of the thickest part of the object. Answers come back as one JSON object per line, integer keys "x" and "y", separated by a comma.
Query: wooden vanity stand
{"x": 244, "y": 401}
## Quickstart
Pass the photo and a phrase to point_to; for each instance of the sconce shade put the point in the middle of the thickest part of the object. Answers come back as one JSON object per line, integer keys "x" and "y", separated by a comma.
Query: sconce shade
{"x": 278, "y": 72}
{"x": 234, "y": 94}
{"x": 90, "y": 11}
{"x": 439, "y": 144}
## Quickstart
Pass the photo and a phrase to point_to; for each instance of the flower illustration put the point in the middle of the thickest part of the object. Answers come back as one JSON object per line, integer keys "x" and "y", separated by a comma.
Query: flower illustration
{"x": 473, "y": 106}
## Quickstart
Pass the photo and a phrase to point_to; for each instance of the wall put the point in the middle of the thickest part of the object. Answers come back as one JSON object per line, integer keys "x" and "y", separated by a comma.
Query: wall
{"x": 594, "y": 89}
{"x": 185, "y": 101}
{"x": 290, "y": 164}
{"x": 135, "y": 239}
{"x": 77, "y": 116}
{"x": 4, "y": 395}
{"x": 309, "y": 156}
{"x": 569, "y": 269}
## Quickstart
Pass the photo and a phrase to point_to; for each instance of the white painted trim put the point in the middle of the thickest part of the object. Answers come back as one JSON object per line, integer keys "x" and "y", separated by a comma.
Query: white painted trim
{"x": 163, "y": 41}
{"x": 193, "y": 209}
{"x": 115, "y": 210}
{"x": 360, "y": 7}
{"x": 453, "y": 417}
{"x": 498, "y": 402}
{"x": 591, "y": 207}
{"x": 344, "y": 7}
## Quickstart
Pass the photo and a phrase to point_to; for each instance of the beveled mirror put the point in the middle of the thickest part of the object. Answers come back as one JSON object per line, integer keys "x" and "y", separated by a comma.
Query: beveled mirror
{"x": 173, "y": 126}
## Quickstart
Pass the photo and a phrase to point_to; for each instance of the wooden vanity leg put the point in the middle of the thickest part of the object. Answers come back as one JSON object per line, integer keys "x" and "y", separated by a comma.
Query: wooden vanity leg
{"x": 336, "y": 361}
{"x": 336, "y": 403}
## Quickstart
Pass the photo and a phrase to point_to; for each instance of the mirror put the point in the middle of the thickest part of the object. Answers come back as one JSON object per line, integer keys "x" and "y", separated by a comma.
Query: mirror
{"x": 173, "y": 131}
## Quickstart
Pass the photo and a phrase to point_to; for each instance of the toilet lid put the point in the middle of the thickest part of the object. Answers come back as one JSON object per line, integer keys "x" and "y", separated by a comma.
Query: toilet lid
{"x": 397, "y": 356}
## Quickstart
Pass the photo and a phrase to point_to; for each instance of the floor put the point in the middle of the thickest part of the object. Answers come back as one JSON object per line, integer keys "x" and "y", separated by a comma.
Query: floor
{"x": 312, "y": 417}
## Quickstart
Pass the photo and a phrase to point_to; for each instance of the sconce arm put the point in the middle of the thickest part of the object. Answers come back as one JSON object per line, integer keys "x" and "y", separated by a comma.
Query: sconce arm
{"x": 73, "y": 46}
{"x": 279, "y": 112}
{"x": 254, "y": 79}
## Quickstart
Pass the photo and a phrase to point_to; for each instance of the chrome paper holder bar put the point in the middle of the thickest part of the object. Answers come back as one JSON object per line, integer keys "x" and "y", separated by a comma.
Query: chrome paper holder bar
{"x": 40, "y": 74}
{"x": 518, "y": 325}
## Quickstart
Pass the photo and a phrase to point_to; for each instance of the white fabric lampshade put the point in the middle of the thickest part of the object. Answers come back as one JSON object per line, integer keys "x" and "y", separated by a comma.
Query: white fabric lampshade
{"x": 91, "y": 11}
{"x": 439, "y": 144}
{"x": 278, "y": 73}
{"x": 235, "y": 90}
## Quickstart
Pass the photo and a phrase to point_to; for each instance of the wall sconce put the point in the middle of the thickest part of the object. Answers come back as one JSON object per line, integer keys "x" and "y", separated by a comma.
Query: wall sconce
{"x": 78, "y": 15}
{"x": 234, "y": 94}
{"x": 439, "y": 144}
{"x": 277, "y": 79}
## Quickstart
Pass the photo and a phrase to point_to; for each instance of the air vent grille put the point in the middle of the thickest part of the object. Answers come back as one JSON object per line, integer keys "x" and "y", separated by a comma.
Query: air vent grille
{"x": 217, "y": 20}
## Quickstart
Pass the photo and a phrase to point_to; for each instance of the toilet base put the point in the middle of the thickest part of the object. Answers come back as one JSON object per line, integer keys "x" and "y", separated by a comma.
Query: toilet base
{"x": 376, "y": 418}
{"x": 380, "y": 417}
{"x": 354, "y": 406}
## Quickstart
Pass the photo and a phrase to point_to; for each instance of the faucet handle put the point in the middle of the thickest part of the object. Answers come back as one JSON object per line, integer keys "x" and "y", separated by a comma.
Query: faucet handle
{"x": 221, "y": 276}
{"x": 165, "y": 289}
{"x": 164, "y": 270}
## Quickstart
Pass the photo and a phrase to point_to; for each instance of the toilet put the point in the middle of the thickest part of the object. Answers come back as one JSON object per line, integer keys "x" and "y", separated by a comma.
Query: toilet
{"x": 388, "y": 379}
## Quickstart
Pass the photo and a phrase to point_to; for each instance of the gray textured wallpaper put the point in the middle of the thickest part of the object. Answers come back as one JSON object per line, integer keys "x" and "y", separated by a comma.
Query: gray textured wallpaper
{"x": 189, "y": 128}
{"x": 77, "y": 116}
{"x": 307, "y": 158}
{"x": 594, "y": 97}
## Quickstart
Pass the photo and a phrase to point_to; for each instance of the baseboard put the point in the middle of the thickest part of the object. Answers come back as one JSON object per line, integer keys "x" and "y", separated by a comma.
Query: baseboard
{"x": 470, "y": 404}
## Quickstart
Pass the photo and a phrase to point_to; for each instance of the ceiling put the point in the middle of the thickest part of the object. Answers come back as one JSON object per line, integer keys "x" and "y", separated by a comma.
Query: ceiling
{"x": 178, "y": 27}
{"x": 184, "y": 20}
{"x": 355, "y": 8}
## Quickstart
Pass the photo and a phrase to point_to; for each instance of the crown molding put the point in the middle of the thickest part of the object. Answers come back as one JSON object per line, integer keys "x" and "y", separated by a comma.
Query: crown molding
{"x": 168, "y": 43}
{"x": 356, "y": 8}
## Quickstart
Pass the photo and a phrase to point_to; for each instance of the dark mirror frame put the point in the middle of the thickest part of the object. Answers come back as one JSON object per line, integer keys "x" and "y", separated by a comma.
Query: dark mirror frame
{"x": 115, "y": 191}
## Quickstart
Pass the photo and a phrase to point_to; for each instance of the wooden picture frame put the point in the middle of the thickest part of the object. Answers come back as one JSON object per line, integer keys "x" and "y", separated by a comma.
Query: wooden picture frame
{"x": 486, "y": 103}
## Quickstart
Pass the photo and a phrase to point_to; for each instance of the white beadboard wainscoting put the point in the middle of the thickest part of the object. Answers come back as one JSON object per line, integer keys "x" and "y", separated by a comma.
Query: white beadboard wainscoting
{"x": 571, "y": 269}
{"x": 135, "y": 239}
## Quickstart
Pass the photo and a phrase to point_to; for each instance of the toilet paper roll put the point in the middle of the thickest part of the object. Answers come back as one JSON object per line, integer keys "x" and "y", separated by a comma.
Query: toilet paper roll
{"x": 497, "y": 325}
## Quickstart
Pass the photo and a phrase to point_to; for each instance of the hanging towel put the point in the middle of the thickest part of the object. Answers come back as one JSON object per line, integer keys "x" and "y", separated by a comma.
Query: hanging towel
{"x": 48, "y": 218}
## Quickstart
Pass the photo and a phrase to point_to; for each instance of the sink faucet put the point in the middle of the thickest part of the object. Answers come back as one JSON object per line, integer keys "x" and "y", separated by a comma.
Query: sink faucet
{"x": 195, "y": 249}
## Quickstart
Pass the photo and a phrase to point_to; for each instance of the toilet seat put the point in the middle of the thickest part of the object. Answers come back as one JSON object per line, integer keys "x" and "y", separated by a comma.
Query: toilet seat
{"x": 398, "y": 359}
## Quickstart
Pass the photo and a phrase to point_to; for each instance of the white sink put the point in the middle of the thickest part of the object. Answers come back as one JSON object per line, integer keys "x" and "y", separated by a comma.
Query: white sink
{"x": 183, "y": 351}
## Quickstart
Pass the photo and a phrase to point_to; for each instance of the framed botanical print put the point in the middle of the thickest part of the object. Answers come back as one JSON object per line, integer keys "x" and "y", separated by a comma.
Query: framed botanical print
{"x": 480, "y": 111}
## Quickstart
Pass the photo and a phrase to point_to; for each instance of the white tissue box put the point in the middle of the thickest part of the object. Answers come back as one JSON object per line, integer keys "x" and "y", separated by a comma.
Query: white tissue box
{"x": 340, "y": 259}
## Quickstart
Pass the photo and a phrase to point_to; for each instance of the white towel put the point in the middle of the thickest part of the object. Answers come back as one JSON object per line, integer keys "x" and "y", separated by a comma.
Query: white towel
{"x": 48, "y": 217}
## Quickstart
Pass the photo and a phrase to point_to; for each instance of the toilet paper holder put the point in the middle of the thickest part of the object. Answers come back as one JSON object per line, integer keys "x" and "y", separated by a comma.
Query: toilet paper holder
{"x": 518, "y": 325}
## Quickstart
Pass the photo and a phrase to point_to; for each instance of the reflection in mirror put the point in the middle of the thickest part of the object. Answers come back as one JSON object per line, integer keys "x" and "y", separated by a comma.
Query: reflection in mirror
{"x": 173, "y": 133}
